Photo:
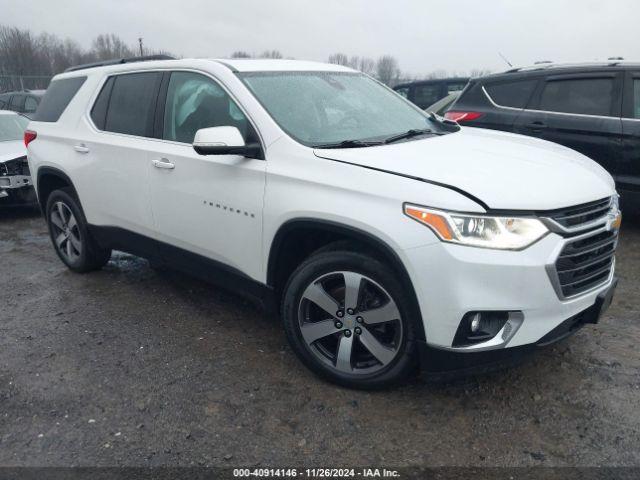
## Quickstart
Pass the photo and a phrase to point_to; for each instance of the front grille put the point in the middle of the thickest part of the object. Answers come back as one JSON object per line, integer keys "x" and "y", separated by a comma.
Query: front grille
{"x": 575, "y": 217}
{"x": 586, "y": 263}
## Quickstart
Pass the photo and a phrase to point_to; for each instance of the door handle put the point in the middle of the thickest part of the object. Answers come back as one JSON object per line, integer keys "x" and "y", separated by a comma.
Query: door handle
{"x": 163, "y": 163}
{"x": 82, "y": 148}
{"x": 537, "y": 126}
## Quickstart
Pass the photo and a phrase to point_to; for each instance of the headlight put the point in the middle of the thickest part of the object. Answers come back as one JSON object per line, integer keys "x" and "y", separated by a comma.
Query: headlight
{"x": 503, "y": 233}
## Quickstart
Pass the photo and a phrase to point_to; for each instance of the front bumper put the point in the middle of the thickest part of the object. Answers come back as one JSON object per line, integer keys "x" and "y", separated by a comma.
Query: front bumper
{"x": 11, "y": 183}
{"x": 441, "y": 364}
{"x": 15, "y": 181}
{"x": 451, "y": 280}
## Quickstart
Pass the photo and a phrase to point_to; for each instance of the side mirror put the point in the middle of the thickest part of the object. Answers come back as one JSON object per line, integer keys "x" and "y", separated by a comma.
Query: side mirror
{"x": 224, "y": 141}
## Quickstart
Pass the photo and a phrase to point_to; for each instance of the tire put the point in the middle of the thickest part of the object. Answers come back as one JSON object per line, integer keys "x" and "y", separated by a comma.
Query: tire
{"x": 70, "y": 235}
{"x": 375, "y": 354}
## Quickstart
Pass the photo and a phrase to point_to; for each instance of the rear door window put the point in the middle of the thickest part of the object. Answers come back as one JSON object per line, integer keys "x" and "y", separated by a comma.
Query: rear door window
{"x": 512, "y": 94}
{"x": 4, "y": 101}
{"x": 99, "y": 109}
{"x": 17, "y": 102}
{"x": 30, "y": 105}
{"x": 636, "y": 97}
{"x": 57, "y": 98}
{"x": 455, "y": 87}
{"x": 426, "y": 95}
{"x": 132, "y": 104}
{"x": 404, "y": 91}
{"x": 585, "y": 96}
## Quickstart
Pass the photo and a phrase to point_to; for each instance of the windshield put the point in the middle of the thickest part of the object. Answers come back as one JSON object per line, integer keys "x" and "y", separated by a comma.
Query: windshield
{"x": 12, "y": 127}
{"x": 318, "y": 108}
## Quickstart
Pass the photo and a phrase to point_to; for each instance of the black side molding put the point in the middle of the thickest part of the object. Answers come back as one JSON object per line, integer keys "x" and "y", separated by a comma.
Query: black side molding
{"x": 187, "y": 262}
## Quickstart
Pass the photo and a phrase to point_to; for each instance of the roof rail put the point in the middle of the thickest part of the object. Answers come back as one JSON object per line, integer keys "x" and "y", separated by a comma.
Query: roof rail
{"x": 544, "y": 65}
{"x": 119, "y": 61}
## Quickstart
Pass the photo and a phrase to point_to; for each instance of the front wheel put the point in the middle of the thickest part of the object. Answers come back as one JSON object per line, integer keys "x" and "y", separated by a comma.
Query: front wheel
{"x": 349, "y": 319}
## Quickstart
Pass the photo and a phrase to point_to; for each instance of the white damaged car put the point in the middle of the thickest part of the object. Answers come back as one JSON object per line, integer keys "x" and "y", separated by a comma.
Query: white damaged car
{"x": 15, "y": 178}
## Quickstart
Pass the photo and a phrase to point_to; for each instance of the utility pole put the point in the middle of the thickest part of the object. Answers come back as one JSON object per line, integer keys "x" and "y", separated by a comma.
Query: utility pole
{"x": 141, "y": 50}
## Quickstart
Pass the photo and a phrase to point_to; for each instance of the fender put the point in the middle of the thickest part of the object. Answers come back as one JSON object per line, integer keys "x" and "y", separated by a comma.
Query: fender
{"x": 55, "y": 172}
{"x": 348, "y": 232}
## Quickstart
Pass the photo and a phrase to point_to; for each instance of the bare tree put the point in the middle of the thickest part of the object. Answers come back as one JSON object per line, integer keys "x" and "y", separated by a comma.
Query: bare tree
{"x": 29, "y": 61}
{"x": 18, "y": 52}
{"x": 365, "y": 65}
{"x": 479, "y": 72}
{"x": 110, "y": 46}
{"x": 339, "y": 59}
{"x": 387, "y": 70}
{"x": 240, "y": 54}
{"x": 271, "y": 54}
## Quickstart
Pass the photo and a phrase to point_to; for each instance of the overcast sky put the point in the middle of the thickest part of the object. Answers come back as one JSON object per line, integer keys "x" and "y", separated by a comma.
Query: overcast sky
{"x": 424, "y": 35}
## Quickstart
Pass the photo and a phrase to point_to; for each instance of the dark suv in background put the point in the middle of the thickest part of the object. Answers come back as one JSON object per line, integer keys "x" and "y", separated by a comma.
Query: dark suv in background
{"x": 592, "y": 108}
{"x": 425, "y": 93}
{"x": 26, "y": 101}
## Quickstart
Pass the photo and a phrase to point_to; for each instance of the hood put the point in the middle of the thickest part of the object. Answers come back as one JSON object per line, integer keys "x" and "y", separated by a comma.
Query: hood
{"x": 503, "y": 170}
{"x": 12, "y": 150}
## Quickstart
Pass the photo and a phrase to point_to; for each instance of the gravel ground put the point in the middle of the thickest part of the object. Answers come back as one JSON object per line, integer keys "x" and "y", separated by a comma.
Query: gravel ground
{"x": 129, "y": 366}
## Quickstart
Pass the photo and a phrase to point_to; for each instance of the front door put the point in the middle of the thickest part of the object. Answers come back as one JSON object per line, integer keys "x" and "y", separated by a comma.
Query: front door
{"x": 208, "y": 205}
{"x": 581, "y": 112}
{"x": 628, "y": 170}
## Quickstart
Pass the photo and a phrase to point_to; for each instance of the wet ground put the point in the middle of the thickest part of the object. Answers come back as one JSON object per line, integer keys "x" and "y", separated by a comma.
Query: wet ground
{"x": 129, "y": 366}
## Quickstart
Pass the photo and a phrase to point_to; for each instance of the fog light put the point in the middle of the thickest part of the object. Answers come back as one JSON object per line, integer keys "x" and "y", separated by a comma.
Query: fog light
{"x": 477, "y": 327}
{"x": 475, "y": 323}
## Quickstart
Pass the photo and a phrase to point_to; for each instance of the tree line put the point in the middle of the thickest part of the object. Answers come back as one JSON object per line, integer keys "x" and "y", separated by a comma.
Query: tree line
{"x": 23, "y": 53}
{"x": 37, "y": 57}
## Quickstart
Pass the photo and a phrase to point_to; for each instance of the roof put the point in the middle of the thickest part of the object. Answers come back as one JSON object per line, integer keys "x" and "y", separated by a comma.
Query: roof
{"x": 237, "y": 65}
{"x": 25, "y": 92}
{"x": 278, "y": 65}
{"x": 431, "y": 80}
{"x": 8, "y": 112}
{"x": 573, "y": 66}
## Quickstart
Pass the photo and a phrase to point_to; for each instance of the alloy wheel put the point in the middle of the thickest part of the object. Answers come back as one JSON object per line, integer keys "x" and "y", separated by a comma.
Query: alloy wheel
{"x": 66, "y": 233}
{"x": 350, "y": 323}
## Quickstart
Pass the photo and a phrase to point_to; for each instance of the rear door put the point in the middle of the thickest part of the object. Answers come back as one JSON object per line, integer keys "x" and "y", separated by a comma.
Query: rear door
{"x": 580, "y": 111}
{"x": 116, "y": 153}
{"x": 628, "y": 168}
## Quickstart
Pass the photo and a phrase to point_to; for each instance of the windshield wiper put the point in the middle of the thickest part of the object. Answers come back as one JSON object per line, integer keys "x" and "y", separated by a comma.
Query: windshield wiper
{"x": 348, "y": 144}
{"x": 415, "y": 132}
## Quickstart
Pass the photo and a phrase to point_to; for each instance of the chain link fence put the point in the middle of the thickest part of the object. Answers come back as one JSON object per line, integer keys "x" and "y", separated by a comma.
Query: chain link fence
{"x": 11, "y": 83}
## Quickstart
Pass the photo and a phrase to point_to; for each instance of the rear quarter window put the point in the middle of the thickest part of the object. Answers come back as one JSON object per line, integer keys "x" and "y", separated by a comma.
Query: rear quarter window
{"x": 585, "y": 96}
{"x": 57, "y": 98}
{"x": 512, "y": 94}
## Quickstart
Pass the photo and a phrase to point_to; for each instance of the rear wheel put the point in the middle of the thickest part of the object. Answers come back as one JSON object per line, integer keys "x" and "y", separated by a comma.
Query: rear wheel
{"x": 348, "y": 318}
{"x": 70, "y": 234}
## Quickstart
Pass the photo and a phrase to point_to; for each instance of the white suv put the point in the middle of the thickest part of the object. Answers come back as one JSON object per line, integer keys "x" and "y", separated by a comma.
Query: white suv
{"x": 386, "y": 237}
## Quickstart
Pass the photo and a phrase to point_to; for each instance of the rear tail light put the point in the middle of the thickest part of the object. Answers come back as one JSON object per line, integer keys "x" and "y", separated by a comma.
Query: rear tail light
{"x": 459, "y": 116}
{"x": 29, "y": 136}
